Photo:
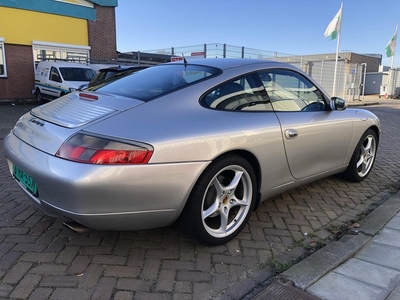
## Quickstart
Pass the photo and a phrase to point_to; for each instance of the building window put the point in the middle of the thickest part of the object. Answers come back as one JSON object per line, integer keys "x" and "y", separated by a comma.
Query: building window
{"x": 3, "y": 69}
{"x": 51, "y": 51}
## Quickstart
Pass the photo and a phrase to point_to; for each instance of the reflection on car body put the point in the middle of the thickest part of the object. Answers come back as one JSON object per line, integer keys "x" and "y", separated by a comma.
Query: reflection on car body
{"x": 199, "y": 144}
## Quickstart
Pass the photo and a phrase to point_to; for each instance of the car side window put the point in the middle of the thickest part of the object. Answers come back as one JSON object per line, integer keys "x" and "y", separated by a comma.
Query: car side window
{"x": 290, "y": 91}
{"x": 244, "y": 94}
{"x": 55, "y": 75}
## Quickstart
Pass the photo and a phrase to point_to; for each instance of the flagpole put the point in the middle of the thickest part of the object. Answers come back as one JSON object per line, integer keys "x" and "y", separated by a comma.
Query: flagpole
{"x": 337, "y": 52}
{"x": 392, "y": 63}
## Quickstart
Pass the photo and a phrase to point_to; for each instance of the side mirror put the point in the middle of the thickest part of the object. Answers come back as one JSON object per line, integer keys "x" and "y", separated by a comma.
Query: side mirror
{"x": 338, "y": 103}
{"x": 82, "y": 87}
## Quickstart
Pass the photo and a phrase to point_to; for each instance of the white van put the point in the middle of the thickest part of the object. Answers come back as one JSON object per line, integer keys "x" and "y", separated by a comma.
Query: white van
{"x": 54, "y": 79}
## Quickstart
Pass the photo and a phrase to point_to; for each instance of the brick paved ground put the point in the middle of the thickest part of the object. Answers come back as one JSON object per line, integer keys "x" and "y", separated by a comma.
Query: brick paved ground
{"x": 40, "y": 259}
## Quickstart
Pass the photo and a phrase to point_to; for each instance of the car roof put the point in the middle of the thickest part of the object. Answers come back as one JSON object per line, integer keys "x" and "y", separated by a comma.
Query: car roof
{"x": 227, "y": 63}
{"x": 123, "y": 68}
{"x": 65, "y": 64}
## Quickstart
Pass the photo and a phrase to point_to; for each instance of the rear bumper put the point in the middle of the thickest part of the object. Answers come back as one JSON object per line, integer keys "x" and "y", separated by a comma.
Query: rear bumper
{"x": 112, "y": 197}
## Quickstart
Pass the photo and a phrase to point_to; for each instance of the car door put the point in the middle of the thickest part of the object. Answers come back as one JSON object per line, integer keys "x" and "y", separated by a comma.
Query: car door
{"x": 53, "y": 88}
{"x": 248, "y": 109}
{"x": 316, "y": 139}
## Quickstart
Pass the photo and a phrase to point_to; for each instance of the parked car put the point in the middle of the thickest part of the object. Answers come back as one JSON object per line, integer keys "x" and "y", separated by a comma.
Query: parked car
{"x": 54, "y": 79}
{"x": 200, "y": 144}
{"x": 112, "y": 73}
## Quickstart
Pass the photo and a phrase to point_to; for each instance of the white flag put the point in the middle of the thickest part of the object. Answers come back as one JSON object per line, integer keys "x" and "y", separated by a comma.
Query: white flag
{"x": 334, "y": 26}
{"x": 391, "y": 46}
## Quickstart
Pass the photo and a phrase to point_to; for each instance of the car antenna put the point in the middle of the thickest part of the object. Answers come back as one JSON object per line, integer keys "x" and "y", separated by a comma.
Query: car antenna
{"x": 184, "y": 60}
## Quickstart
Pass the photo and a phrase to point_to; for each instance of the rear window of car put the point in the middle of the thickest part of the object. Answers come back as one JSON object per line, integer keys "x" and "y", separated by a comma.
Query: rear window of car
{"x": 77, "y": 74}
{"x": 156, "y": 81}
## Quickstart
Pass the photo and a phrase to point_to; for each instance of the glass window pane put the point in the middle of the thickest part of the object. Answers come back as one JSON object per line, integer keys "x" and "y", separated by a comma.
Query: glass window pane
{"x": 2, "y": 60}
{"x": 58, "y": 53}
{"x": 290, "y": 91}
{"x": 156, "y": 81}
{"x": 242, "y": 94}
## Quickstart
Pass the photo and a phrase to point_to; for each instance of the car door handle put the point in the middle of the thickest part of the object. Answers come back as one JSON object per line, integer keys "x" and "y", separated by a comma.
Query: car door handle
{"x": 291, "y": 133}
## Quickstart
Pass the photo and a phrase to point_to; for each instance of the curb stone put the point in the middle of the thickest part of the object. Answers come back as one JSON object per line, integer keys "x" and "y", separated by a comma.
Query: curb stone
{"x": 309, "y": 270}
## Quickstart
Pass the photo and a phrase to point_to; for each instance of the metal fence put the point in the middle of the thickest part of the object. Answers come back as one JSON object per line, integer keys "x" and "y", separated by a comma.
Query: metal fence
{"x": 349, "y": 76}
{"x": 393, "y": 88}
{"x": 217, "y": 51}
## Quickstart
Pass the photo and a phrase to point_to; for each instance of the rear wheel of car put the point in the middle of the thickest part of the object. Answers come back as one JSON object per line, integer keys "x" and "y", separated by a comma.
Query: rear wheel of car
{"x": 221, "y": 201}
{"x": 363, "y": 157}
{"x": 39, "y": 97}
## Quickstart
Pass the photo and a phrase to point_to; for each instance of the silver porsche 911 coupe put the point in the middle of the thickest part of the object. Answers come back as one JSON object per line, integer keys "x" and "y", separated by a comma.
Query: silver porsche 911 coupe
{"x": 199, "y": 143}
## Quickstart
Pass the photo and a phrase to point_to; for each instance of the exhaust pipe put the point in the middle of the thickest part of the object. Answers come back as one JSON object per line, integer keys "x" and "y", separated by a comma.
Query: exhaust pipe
{"x": 76, "y": 227}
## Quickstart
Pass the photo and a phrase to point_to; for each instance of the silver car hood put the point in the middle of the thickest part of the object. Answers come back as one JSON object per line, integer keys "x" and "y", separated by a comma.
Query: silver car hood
{"x": 47, "y": 126}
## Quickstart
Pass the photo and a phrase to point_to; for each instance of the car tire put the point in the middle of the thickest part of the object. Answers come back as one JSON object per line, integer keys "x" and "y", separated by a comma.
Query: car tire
{"x": 39, "y": 97}
{"x": 221, "y": 201}
{"x": 363, "y": 157}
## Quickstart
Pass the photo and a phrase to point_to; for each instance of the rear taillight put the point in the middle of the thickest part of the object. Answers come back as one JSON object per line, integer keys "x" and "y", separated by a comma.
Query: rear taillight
{"x": 95, "y": 150}
{"x": 89, "y": 97}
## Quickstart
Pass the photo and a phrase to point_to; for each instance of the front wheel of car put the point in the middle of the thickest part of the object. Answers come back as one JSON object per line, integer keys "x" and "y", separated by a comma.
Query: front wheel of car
{"x": 221, "y": 202}
{"x": 363, "y": 157}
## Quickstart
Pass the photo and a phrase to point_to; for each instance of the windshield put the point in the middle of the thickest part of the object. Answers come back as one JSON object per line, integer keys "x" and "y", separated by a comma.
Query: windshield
{"x": 156, "y": 81}
{"x": 77, "y": 74}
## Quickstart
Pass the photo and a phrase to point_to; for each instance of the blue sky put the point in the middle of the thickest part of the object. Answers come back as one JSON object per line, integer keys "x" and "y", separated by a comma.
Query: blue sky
{"x": 285, "y": 26}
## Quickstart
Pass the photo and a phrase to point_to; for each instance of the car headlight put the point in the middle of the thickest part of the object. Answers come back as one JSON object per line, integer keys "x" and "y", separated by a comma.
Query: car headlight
{"x": 98, "y": 150}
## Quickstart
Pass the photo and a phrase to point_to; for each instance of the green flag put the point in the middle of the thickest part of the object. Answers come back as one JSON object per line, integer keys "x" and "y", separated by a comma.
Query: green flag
{"x": 391, "y": 46}
{"x": 334, "y": 26}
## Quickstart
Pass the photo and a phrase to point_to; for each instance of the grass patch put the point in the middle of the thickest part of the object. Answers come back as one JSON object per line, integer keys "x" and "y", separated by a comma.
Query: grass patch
{"x": 279, "y": 266}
